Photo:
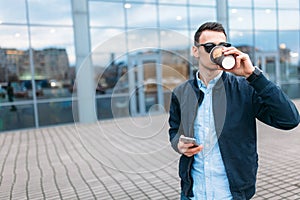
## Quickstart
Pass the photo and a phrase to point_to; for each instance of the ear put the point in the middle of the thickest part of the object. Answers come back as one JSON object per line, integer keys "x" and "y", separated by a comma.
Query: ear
{"x": 195, "y": 51}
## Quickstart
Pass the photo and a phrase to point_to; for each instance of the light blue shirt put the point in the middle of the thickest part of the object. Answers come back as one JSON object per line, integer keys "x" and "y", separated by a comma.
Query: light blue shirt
{"x": 208, "y": 171}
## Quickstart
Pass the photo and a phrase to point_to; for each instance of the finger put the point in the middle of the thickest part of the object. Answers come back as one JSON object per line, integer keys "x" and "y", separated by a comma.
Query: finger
{"x": 185, "y": 145}
{"x": 237, "y": 63}
{"x": 188, "y": 154}
{"x": 182, "y": 147}
{"x": 194, "y": 150}
{"x": 230, "y": 50}
{"x": 183, "y": 150}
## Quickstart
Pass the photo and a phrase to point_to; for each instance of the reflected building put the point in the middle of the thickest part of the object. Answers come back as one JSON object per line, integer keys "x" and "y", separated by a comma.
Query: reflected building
{"x": 82, "y": 61}
{"x": 12, "y": 63}
{"x": 50, "y": 63}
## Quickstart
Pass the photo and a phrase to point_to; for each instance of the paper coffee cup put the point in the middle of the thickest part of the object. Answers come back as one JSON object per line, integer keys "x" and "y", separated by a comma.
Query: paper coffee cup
{"x": 217, "y": 57}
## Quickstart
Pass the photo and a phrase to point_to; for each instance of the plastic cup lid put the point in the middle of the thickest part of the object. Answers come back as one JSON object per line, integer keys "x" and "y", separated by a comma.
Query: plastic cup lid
{"x": 228, "y": 62}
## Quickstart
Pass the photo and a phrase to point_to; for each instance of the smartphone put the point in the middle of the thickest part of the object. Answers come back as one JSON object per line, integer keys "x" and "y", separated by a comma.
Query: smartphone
{"x": 189, "y": 140}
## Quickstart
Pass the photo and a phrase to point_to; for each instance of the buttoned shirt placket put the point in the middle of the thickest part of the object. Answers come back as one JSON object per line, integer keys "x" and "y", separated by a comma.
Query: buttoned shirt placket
{"x": 205, "y": 163}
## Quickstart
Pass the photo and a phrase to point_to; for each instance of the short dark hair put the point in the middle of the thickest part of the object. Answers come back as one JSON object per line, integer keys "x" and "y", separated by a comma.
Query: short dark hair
{"x": 211, "y": 26}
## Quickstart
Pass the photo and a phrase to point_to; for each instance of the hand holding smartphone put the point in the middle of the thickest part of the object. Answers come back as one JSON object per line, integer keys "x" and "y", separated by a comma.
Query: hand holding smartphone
{"x": 189, "y": 140}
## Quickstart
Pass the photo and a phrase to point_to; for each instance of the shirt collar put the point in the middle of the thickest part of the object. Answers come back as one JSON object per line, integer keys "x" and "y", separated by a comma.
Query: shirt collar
{"x": 211, "y": 83}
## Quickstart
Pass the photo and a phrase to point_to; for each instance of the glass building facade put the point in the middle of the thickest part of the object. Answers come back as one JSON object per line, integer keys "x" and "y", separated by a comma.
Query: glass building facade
{"x": 85, "y": 60}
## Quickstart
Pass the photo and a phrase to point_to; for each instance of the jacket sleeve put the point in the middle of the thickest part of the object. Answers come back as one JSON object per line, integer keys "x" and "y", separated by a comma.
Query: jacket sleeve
{"x": 272, "y": 106}
{"x": 174, "y": 122}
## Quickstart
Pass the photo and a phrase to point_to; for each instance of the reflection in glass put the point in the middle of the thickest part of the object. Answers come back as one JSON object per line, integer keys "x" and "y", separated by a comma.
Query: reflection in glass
{"x": 141, "y": 39}
{"x": 175, "y": 40}
{"x": 107, "y": 77}
{"x": 289, "y": 56}
{"x": 45, "y": 37}
{"x": 58, "y": 12}
{"x": 13, "y": 11}
{"x": 142, "y": 15}
{"x": 241, "y": 38}
{"x": 52, "y": 72}
{"x": 173, "y": 2}
{"x": 286, "y": 22}
{"x": 144, "y": 1}
{"x": 121, "y": 59}
{"x": 294, "y": 4}
{"x": 115, "y": 94}
{"x": 265, "y": 19}
{"x": 53, "y": 113}
{"x": 290, "y": 40}
{"x": 200, "y": 15}
{"x": 13, "y": 65}
{"x": 266, "y": 40}
{"x": 267, "y": 61}
{"x": 53, "y": 53}
{"x": 173, "y": 17}
{"x": 109, "y": 60}
{"x": 292, "y": 89}
{"x": 175, "y": 69}
{"x": 204, "y": 2}
{"x": 240, "y": 18}
{"x": 14, "y": 37}
{"x": 103, "y": 105}
{"x": 19, "y": 118}
{"x": 265, "y": 3}
{"x": 237, "y": 3}
{"x": 106, "y": 14}
{"x": 107, "y": 37}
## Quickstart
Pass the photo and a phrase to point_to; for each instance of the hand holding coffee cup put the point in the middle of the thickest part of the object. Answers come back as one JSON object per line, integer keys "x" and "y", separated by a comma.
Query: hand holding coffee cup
{"x": 217, "y": 57}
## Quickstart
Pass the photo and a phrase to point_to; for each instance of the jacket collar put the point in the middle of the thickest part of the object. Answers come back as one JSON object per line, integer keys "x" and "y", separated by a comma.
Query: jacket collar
{"x": 218, "y": 84}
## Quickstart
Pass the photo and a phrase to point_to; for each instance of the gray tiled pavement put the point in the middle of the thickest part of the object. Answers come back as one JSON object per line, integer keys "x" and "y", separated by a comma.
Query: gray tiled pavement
{"x": 128, "y": 158}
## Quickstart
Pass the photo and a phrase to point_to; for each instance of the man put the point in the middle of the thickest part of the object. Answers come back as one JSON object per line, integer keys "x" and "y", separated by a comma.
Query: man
{"x": 10, "y": 95}
{"x": 219, "y": 109}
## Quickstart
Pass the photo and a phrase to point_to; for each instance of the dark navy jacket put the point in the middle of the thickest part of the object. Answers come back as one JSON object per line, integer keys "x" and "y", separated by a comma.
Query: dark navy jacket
{"x": 236, "y": 106}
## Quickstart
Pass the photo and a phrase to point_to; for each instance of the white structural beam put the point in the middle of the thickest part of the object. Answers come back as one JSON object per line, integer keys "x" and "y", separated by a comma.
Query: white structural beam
{"x": 222, "y": 14}
{"x": 84, "y": 69}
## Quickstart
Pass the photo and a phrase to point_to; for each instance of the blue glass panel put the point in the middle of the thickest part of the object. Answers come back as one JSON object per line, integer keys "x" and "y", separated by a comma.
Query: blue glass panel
{"x": 16, "y": 117}
{"x": 53, "y": 113}
{"x": 13, "y": 11}
{"x": 237, "y": 3}
{"x": 240, "y": 18}
{"x": 266, "y": 41}
{"x": 50, "y": 12}
{"x": 106, "y": 14}
{"x": 288, "y": 20}
{"x": 294, "y": 4}
{"x": 142, "y": 15}
{"x": 173, "y": 17}
{"x": 265, "y": 19}
{"x": 265, "y": 3}
{"x": 199, "y": 15}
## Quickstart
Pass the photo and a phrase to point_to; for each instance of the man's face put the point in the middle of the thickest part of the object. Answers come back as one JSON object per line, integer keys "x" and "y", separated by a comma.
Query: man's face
{"x": 201, "y": 54}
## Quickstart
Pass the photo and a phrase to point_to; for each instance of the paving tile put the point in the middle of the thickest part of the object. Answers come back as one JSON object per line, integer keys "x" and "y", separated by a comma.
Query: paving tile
{"x": 125, "y": 159}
